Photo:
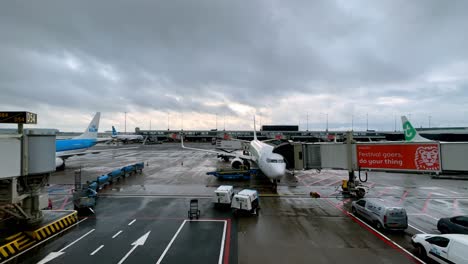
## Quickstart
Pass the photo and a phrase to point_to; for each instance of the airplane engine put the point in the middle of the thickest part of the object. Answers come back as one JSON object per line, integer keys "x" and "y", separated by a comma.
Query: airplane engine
{"x": 59, "y": 163}
{"x": 236, "y": 163}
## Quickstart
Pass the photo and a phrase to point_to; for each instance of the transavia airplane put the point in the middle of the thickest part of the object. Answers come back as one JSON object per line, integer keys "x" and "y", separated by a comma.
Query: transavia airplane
{"x": 411, "y": 135}
{"x": 271, "y": 164}
{"x": 125, "y": 138}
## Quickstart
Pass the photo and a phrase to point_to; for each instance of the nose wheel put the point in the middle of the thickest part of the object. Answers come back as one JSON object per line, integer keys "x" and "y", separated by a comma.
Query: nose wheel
{"x": 274, "y": 187}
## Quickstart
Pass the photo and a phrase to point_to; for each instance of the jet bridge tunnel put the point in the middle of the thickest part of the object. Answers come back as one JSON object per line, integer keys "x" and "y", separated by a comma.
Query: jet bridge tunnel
{"x": 434, "y": 157}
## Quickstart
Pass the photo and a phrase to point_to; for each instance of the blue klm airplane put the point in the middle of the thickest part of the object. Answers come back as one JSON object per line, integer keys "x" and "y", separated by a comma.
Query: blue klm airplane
{"x": 65, "y": 148}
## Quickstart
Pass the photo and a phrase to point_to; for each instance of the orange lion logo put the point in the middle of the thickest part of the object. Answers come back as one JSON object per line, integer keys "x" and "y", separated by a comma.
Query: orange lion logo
{"x": 427, "y": 158}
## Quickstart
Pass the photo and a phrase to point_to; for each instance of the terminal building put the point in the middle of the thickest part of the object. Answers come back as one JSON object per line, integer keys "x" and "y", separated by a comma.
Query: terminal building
{"x": 288, "y": 132}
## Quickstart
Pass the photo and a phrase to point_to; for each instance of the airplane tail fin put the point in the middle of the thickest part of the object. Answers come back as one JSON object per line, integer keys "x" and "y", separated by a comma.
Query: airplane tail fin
{"x": 255, "y": 130}
{"x": 114, "y": 131}
{"x": 411, "y": 135}
{"x": 92, "y": 129}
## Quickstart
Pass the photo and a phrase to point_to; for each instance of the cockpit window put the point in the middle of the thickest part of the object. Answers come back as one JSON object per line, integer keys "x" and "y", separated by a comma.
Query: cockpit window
{"x": 275, "y": 160}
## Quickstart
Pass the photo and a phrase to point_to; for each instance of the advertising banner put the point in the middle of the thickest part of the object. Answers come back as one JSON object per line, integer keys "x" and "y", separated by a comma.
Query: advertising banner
{"x": 408, "y": 156}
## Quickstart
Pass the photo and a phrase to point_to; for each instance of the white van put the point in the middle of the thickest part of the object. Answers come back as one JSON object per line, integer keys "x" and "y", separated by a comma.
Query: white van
{"x": 448, "y": 248}
{"x": 246, "y": 200}
{"x": 380, "y": 214}
{"x": 223, "y": 195}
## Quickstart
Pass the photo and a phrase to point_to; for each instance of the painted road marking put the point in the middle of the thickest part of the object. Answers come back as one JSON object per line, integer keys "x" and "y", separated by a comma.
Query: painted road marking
{"x": 426, "y": 203}
{"x": 139, "y": 242}
{"x": 223, "y": 239}
{"x": 81, "y": 237}
{"x": 51, "y": 255}
{"x": 417, "y": 229}
{"x": 377, "y": 233}
{"x": 118, "y": 233}
{"x": 95, "y": 251}
{"x": 170, "y": 243}
{"x": 131, "y": 223}
{"x": 430, "y": 216}
{"x": 403, "y": 197}
{"x": 388, "y": 239}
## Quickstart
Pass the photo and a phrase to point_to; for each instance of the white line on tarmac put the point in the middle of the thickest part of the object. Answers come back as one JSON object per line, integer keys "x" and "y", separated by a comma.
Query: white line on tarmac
{"x": 221, "y": 251}
{"x": 417, "y": 229}
{"x": 389, "y": 240}
{"x": 131, "y": 223}
{"x": 40, "y": 243}
{"x": 95, "y": 251}
{"x": 118, "y": 233}
{"x": 170, "y": 243}
{"x": 81, "y": 237}
{"x": 430, "y": 216}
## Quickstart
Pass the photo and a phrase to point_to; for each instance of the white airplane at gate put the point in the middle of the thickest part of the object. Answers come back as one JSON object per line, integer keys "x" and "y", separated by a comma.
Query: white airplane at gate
{"x": 271, "y": 164}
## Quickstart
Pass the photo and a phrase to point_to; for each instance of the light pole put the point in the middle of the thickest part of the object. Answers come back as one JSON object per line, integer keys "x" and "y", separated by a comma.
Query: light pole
{"x": 367, "y": 121}
{"x": 352, "y": 122}
{"x": 168, "y": 121}
{"x": 327, "y": 124}
{"x": 307, "y": 121}
{"x": 429, "y": 121}
{"x": 326, "y": 115}
{"x": 216, "y": 122}
{"x": 125, "y": 123}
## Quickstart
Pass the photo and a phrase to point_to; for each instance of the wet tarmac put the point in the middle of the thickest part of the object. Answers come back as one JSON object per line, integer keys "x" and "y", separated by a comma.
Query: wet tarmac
{"x": 291, "y": 227}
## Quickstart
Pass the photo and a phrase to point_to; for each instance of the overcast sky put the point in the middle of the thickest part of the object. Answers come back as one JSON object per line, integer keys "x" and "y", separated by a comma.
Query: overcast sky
{"x": 192, "y": 60}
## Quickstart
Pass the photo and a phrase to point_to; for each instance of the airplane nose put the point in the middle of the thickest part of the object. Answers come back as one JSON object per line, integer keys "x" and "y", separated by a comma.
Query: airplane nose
{"x": 279, "y": 172}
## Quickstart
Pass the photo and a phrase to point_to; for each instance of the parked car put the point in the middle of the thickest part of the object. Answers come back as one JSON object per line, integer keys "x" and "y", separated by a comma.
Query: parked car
{"x": 453, "y": 225}
{"x": 449, "y": 248}
{"x": 380, "y": 214}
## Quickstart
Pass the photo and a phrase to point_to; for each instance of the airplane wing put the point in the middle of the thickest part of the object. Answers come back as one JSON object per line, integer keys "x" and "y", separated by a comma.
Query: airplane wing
{"x": 229, "y": 154}
{"x": 100, "y": 140}
{"x": 67, "y": 154}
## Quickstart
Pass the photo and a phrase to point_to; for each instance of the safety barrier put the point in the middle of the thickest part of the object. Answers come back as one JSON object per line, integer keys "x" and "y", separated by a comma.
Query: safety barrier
{"x": 53, "y": 227}
{"x": 15, "y": 244}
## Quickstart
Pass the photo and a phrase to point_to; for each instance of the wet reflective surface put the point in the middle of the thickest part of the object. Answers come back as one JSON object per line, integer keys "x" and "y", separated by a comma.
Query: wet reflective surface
{"x": 291, "y": 227}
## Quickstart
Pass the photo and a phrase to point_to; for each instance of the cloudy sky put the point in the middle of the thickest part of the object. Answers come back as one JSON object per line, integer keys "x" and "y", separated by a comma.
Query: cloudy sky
{"x": 193, "y": 62}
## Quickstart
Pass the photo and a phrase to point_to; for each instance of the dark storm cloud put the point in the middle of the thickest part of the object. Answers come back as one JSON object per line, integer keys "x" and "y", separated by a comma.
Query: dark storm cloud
{"x": 172, "y": 55}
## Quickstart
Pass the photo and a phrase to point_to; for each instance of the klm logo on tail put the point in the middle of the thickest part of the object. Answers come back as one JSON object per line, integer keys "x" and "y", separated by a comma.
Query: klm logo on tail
{"x": 92, "y": 128}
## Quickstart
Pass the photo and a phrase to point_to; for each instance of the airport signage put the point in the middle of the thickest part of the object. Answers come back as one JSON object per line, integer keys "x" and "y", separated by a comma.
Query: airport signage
{"x": 423, "y": 157}
{"x": 18, "y": 118}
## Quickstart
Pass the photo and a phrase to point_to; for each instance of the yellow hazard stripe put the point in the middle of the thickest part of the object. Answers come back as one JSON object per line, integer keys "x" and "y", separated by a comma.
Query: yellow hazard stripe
{"x": 14, "y": 236}
{"x": 10, "y": 248}
{"x": 20, "y": 241}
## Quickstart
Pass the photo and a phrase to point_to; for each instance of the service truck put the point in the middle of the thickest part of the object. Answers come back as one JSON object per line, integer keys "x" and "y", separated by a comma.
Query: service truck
{"x": 245, "y": 201}
{"x": 223, "y": 195}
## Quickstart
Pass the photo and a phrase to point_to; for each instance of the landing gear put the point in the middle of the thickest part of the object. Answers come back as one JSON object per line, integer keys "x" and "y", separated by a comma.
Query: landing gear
{"x": 275, "y": 185}
{"x": 246, "y": 163}
{"x": 61, "y": 167}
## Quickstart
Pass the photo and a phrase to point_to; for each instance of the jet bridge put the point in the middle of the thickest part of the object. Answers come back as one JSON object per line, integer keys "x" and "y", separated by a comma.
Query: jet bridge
{"x": 425, "y": 157}
{"x": 26, "y": 160}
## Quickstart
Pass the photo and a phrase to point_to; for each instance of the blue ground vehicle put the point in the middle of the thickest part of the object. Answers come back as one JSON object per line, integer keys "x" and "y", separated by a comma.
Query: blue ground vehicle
{"x": 86, "y": 196}
{"x": 233, "y": 174}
